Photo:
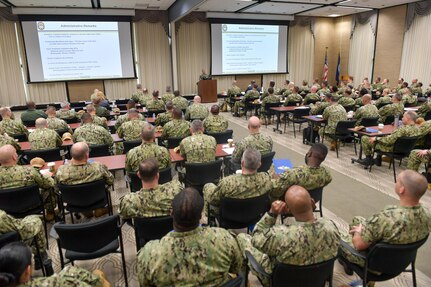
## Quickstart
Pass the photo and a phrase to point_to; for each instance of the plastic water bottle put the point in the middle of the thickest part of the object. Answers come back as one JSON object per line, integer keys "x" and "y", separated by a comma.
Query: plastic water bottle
{"x": 396, "y": 121}
{"x": 154, "y": 116}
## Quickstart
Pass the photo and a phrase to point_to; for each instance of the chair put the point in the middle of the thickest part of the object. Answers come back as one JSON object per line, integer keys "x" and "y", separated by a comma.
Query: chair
{"x": 427, "y": 116}
{"x": 402, "y": 148}
{"x": 198, "y": 174}
{"x": 349, "y": 108}
{"x": 128, "y": 145}
{"x": 91, "y": 240}
{"x": 249, "y": 106}
{"x": 173, "y": 142}
{"x": 269, "y": 114}
{"x": 369, "y": 122}
{"x": 389, "y": 260}
{"x": 342, "y": 134}
{"x": 20, "y": 137}
{"x": 151, "y": 228}
{"x": 389, "y": 120}
{"x": 293, "y": 103}
{"x": 72, "y": 120}
{"x": 266, "y": 162}
{"x": 29, "y": 123}
{"x": 222, "y": 137}
{"x": 382, "y": 105}
{"x": 297, "y": 118}
{"x": 84, "y": 197}
{"x": 121, "y": 101}
{"x": 235, "y": 282}
{"x": 236, "y": 213}
{"x": 9, "y": 237}
{"x": 296, "y": 276}
{"x": 62, "y": 131}
{"x": 99, "y": 150}
{"x": 317, "y": 196}
{"x": 48, "y": 155}
{"x": 165, "y": 175}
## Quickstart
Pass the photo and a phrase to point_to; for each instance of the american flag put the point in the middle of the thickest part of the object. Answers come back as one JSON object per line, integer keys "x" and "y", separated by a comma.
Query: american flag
{"x": 325, "y": 67}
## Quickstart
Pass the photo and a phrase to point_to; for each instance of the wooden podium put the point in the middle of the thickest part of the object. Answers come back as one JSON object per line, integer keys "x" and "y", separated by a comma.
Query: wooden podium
{"x": 207, "y": 90}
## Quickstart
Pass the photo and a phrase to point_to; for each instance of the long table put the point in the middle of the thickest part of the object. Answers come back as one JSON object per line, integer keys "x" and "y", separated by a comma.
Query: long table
{"x": 176, "y": 156}
{"x": 283, "y": 110}
{"x": 387, "y": 130}
{"x": 113, "y": 162}
{"x": 74, "y": 126}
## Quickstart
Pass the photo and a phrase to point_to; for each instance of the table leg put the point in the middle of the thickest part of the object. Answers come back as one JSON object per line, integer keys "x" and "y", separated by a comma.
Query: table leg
{"x": 278, "y": 123}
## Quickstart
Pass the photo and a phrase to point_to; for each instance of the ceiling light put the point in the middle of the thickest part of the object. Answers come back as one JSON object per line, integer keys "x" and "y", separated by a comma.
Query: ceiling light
{"x": 344, "y": 2}
{"x": 355, "y": 8}
{"x": 334, "y": 15}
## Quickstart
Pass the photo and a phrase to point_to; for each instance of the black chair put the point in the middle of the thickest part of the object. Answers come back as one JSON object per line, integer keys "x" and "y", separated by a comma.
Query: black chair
{"x": 293, "y": 103}
{"x": 382, "y": 105}
{"x": 386, "y": 260}
{"x": 91, "y": 240}
{"x": 151, "y": 228}
{"x": 249, "y": 106}
{"x": 20, "y": 137}
{"x": 370, "y": 122}
{"x": 47, "y": 154}
{"x": 342, "y": 134}
{"x": 198, "y": 174}
{"x": 266, "y": 162}
{"x": 317, "y": 196}
{"x": 128, "y": 145}
{"x": 83, "y": 197}
{"x": 296, "y": 117}
{"x": 72, "y": 120}
{"x": 269, "y": 114}
{"x": 173, "y": 142}
{"x": 401, "y": 149}
{"x": 9, "y": 237}
{"x": 222, "y": 137}
{"x": 235, "y": 282}
{"x": 29, "y": 123}
{"x": 427, "y": 116}
{"x": 389, "y": 120}
{"x": 62, "y": 131}
{"x": 99, "y": 150}
{"x": 121, "y": 101}
{"x": 349, "y": 108}
{"x": 296, "y": 276}
{"x": 238, "y": 213}
{"x": 165, "y": 175}
{"x": 78, "y": 104}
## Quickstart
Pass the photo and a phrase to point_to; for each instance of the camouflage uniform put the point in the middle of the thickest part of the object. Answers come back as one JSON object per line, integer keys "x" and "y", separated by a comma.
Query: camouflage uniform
{"x": 155, "y": 105}
{"x": 145, "y": 151}
{"x": 424, "y": 109}
{"x": 176, "y": 129}
{"x": 387, "y": 143}
{"x": 44, "y": 138}
{"x": 28, "y": 228}
{"x": 131, "y": 130}
{"x": 249, "y": 96}
{"x": 5, "y": 139}
{"x": 92, "y": 134}
{"x": 415, "y": 161}
{"x": 196, "y": 111}
{"x": 57, "y": 124}
{"x": 102, "y": 111}
{"x": 70, "y": 276}
{"x": 324, "y": 90}
{"x": 319, "y": 108}
{"x": 346, "y": 101}
{"x": 100, "y": 121}
{"x": 215, "y": 124}
{"x": 202, "y": 257}
{"x": 304, "y": 89}
{"x": 410, "y": 100}
{"x": 167, "y": 97}
{"x": 416, "y": 90}
{"x": 424, "y": 130}
{"x": 292, "y": 98}
{"x": 231, "y": 94}
{"x": 198, "y": 148}
{"x": 239, "y": 186}
{"x": 306, "y": 176}
{"x": 150, "y": 202}
{"x": 32, "y": 115}
{"x": 393, "y": 225}
{"x": 383, "y": 100}
{"x": 332, "y": 115}
{"x": 180, "y": 103}
{"x": 367, "y": 111}
{"x": 20, "y": 176}
{"x": 268, "y": 100}
{"x": 391, "y": 110}
{"x": 258, "y": 141}
{"x": 163, "y": 118}
{"x": 71, "y": 174}
{"x": 125, "y": 118}
{"x": 66, "y": 114}
{"x": 12, "y": 127}
{"x": 311, "y": 97}
{"x": 300, "y": 243}
{"x": 137, "y": 96}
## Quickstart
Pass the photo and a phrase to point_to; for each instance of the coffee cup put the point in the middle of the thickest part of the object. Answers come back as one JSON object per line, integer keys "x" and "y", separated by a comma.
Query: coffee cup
{"x": 230, "y": 142}
{"x": 381, "y": 126}
{"x": 51, "y": 166}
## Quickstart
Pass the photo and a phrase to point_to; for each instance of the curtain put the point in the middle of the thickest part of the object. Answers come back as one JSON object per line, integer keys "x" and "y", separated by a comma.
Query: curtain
{"x": 300, "y": 54}
{"x": 11, "y": 84}
{"x": 421, "y": 8}
{"x": 119, "y": 89}
{"x": 153, "y": 56}
{"x": 361, "y": 53}
{"x": 416, "y": 54}
{"x": 193, "y": 54}
{"x": 224, "y": 82}
{"x": 279, "y": 80}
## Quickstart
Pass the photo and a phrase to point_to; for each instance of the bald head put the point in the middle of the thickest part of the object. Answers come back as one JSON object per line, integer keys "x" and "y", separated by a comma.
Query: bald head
{"x": 41, "y": 123}
{"x": 8, "y": 155}
{"x": 5, "y": 112}
{"x": 414, "y": 183}
{"x": 313, "y": 89}
{"x": 197, "y": 99}
{"x": 298, "y": 201}
{"x": 80, "y": 151}
{"x": 254, "y": 124}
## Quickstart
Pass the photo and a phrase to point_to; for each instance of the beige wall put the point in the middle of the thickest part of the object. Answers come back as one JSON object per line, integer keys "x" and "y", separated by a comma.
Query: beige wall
{"x": 389, "y": 45}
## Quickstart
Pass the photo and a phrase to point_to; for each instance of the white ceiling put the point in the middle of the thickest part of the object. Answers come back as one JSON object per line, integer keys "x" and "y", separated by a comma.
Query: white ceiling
{"x": 280, "y": 8}
{"x": 52, "y": 3}
{"x": 333, "y": 10}
{"x": 137, "y": 4}
{"x": 223, "y": 5}
{"x": 376, "y": 3}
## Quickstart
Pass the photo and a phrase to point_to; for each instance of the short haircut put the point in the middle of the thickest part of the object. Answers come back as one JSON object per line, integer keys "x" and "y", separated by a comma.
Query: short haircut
{"x": 363, "y": 91}
{"x": 64, "y": 104}
{"x": 168, "y": 89}
{"x": 155, "y": 93}
{"x": 329, "y": 96}
{"x": 41, "y": 122}
{"x": 148, "y": 169}
{"x": 367, "y": 97}
{"x": 215, "y": 109}
{"x": 139, "y": 86}
{"x": 255, "y": 86}
{"x": 177, "y": 113}
{"x": 319, "y": 151}
{"x": 196, "y": 125}
{"x": 31, "y": 105}
{"x": 176, "y": 93}
{"x": 15, "y": 257}
{"x": 4, "y": 111}
{"x": 398, "y": 96}
{"x": 86, "y": 117}
{"x": 271, "y": 90}
{"x": 415, "y": 183}
{"x": 413, "y": 116}
{"x": 348, "y": 91}
{"x": 187, "y": 208}
{"x": 131, "y": 104}
{"x": 90, "y": 108}
{"x": 296, "y": 88}
{"x": 132, "y": 112}
{"x": 169, "y": 105}
{"x": 147, "y": 132}
{"x": 251, "y": 158}
{"x": 79, "y": 151}
{"x": 271, "y": 83}
{"x": 51, "y": 109}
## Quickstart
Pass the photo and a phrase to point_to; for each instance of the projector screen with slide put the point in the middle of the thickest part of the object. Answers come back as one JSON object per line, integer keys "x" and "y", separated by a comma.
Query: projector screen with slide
{"x": 78, "y": 50}
{"x": 248, "y": 49}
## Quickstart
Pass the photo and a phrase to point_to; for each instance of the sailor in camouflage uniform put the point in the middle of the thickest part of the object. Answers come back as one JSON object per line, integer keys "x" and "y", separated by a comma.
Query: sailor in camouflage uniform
{"x": 198, "y": 148}
{"x": 196, "y": 110}
{"x": 177, "y": 127}
{"x": 386, "y": 143}
{"x": 148, "y": 149}
{"x": 55, "y": 123}
{"x": 249, "y": 96}
{"x": 10, "y": 126}
{"x": 307, "y": 241}
{"x": 44, "y": 138}
{"x": 124, "y": 118}
{"x": 409, "y": 99}
{"x": 131, "y": 130}
{"x": 294, "y": 97}
{"x": 136, "y": 96}
{"x": 91, "y": 133}
{"x": 269, "y": 99}
{"x": 396, "y": 108}
{"x": 153, "y": 199}
{"x": 155, "y": 104}
{"x": 215, "y": 123}
{"x": 5, "y": 139}
{"x": 179, "y": 101}
{"x": 165, "y": 117}
{"x": 346, "y": 100}
{"x": 168, "y": 96}
{"x": 368, "y": 110}
{"x": 249, "y": 183}
{"x": 310, "y": 176}
{"x": 100, "y": 121}
{"x": 418, "y": 157}
{"x": 190, "y": 255}
{"x": 407, "y": 223}
{"x": 424, "y": 109}
{"x": 100, "y": 110}
{"x": 384, "y": 98}
{"x": 232, "y": 93}
{"x": 65, "y": 113}
{"x": 332, "y": 115}
{"x": 312, "y": 96}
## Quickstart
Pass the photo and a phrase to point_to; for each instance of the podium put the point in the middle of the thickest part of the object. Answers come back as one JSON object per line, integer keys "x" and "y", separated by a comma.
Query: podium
{"x": 207, "y": 90}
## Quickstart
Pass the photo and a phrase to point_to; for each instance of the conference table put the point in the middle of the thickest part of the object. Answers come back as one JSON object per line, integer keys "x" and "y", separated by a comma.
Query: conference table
{"x": 222, "y": 150}
{"x": 316, "y": 120}
{"x": 284, "y": 110}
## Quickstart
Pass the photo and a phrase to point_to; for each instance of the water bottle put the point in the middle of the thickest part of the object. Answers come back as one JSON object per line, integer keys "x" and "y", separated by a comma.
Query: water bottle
{"x": 154, "y": 116}
{"x": 396, "y": 120}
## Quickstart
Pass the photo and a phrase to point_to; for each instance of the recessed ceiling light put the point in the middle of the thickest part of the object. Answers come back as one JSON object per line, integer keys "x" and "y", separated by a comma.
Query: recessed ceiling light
{"x": 344, "y": 2}
{"x": 334, "y": 15}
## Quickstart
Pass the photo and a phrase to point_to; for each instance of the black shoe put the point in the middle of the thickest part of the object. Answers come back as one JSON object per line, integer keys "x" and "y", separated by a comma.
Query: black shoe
{"x": 378, "y": 160}
{"x": 47, "y": 264}
{"x": 346, "y": 268}
{"x": 365, "y": 161}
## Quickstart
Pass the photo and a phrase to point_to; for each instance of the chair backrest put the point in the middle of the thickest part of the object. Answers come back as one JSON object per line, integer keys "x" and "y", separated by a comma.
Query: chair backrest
{"x": 88, "y": 237}
{"x": 61, "y": 132}
{"x": 29, "y": 123}
{"x": 369, "y": 122}
{"x": 151, "y": 228}
{"x": 427, "y": 141}
{"x": 235, "y": 282}
{"x": 293, "y": 103}
{"x": 392, "y": 258}
{"x": 316, "y": 194}
{"x": 77, "y": 104}
{"x": 298, "y": 113}
{"x": 315, "y": 275}
{"x": 18, "y": 200}
{"x": 83, "y": 195}
{"x": 128, "y": 145}
{"x": 427, "y": 116}
{"x": 404, "y": 145}
{"x": 222, "y": 137}
{"x": 173, "y": 142}
{"x": 268, "y": 107}
{"x": 9, "y": 237}
{"x": 390, "y": 119}
{"x": 198, "y": 174}
{"x": 266, "y": 161}
{"x": 349, "y": 108}
{"x": 20, "y": 138}
{"x": 99, "y": 150}
{"x": 382, "y": 105}
{"x": 121, "y": 101}
{"x": 240, "y": 213}
{"x": 343, "y": 126}
{"x": 165, "y": 175}
{"x": 72, "y": 120}
{"x": 47, "y": 154}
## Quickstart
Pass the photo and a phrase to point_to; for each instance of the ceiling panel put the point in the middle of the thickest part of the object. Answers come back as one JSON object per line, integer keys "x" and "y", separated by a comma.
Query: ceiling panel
{"x": 137, "y": 4}
{"x": 223, "y": 5}
{"x": 1, "y": 5}
{"x": 280, "y": 8}
{"x": 311, "y": 1}
{"x": 335, "y": 11}
{"x": 52, "y": 3}
{"x": 375, "y": 3}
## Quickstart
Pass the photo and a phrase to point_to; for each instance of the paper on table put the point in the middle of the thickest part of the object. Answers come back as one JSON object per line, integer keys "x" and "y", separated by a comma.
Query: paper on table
{"x": 228, "y": 150}
{"x": 410, "y": 109}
